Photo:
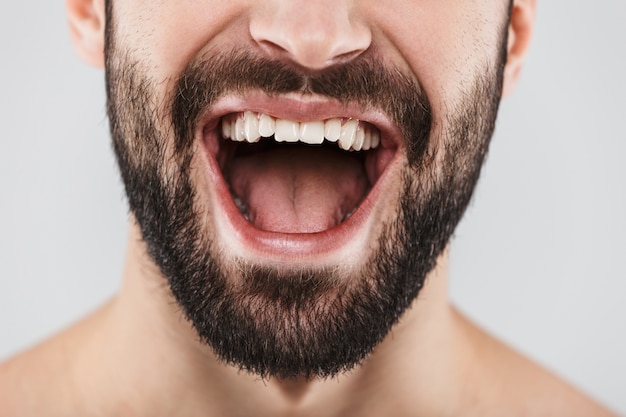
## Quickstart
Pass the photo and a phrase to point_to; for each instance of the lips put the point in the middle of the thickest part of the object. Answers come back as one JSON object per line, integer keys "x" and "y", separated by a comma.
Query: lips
{"x": 293, "y": 176}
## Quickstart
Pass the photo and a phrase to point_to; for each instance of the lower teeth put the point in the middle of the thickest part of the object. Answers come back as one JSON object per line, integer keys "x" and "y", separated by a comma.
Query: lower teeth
{"x": 242, "y": 207}
{"x": 348, "y": 215}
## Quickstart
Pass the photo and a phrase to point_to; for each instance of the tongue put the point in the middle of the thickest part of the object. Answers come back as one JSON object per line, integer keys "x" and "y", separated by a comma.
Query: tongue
{"x": 298, "y": 190}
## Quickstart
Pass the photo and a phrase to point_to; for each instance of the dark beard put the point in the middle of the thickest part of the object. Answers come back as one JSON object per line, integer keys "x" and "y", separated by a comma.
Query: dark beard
{"x": 292, "y": 323}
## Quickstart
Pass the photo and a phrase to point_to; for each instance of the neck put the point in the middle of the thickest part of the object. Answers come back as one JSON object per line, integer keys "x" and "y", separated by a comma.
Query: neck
{"x": 150, "y": 345}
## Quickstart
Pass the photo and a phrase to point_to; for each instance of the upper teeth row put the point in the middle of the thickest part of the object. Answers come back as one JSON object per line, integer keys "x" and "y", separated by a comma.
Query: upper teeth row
{"x": 350, "y": 135}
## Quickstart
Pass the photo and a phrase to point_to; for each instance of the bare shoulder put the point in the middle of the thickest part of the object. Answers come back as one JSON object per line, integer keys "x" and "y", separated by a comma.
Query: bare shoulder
{"x": 40, "y": 381}
{"x": 30, "y": 380}
{"x": 513, "y": 385}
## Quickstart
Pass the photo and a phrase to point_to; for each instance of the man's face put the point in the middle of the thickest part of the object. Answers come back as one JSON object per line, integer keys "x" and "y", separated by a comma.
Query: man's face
{"x": 297, "y": 167}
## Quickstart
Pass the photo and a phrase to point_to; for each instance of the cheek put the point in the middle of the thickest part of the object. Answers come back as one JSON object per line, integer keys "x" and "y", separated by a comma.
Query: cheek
{"x": 165, "y": 35}
{"x": 445, "y": 43}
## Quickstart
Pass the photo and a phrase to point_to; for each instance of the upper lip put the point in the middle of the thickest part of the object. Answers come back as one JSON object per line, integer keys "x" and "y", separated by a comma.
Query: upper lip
{"x": 300, "y": 108}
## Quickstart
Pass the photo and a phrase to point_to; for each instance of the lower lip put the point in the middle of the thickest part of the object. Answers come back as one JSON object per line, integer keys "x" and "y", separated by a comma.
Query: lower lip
{"x": 288, "y": 246}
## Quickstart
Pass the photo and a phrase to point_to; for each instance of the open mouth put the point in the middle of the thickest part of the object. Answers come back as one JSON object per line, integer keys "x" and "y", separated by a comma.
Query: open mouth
{"x": 297, "y": 179}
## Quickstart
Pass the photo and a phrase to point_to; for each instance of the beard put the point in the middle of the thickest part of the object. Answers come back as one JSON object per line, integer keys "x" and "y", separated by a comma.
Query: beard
{"x": 304, "y": 322}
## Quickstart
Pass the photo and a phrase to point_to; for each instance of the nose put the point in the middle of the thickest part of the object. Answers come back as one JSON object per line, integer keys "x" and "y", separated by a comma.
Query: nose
{"x": 310, "y": 33}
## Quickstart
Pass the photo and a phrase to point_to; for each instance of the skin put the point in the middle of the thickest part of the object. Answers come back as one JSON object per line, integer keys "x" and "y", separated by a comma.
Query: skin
{"x": 138, "y": 356}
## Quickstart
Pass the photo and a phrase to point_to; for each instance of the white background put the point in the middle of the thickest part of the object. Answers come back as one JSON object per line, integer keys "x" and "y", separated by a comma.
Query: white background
{"x": 538, "y": 260}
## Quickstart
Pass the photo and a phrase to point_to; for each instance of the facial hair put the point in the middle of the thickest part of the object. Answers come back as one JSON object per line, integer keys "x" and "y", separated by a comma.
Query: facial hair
{"x": 315, "y": 322}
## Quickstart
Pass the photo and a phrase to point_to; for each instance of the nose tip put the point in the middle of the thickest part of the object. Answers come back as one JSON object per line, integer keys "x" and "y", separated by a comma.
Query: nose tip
{"x": 311, "y": 34}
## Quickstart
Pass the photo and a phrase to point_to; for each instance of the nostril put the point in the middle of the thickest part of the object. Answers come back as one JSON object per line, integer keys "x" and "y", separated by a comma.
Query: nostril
{"x": 272, "y": 48}
{"x": 347, "y": 56}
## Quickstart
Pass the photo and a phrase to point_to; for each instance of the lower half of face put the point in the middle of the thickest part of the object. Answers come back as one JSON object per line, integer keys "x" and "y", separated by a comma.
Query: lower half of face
{"x": 295, "y": 216}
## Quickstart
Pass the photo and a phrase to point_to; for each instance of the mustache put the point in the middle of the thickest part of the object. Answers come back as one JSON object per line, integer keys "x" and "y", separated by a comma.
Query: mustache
{"x": 366, "y": 81}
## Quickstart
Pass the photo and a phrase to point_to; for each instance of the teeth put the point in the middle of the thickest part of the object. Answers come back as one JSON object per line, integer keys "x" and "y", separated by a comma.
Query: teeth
{"x": 239, "y": 131}
{"x": 226, "y": 129}
{"x": 375, "y": 140}
{"x": 367, "y": 141}
{"x": 251, "y": 127}
{"x": 332, "y": 129}
{"x": 287, "y": 131}
{"x": 358, "y": 140}
{"x": 348, "y": 215}
{"x": 267, "y": 126}
{"x": 241, "y": 206}
{"x": 349, "y": 135}
{"x": 312, "y": 132}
